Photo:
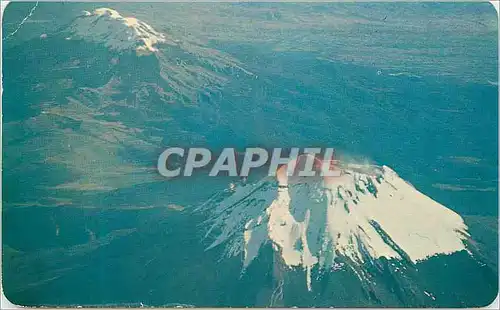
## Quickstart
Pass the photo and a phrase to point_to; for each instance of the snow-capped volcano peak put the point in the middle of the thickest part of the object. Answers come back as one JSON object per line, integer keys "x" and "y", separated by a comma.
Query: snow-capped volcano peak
{"x": 120, "y": 32}
{"x": 358, "y": 216}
